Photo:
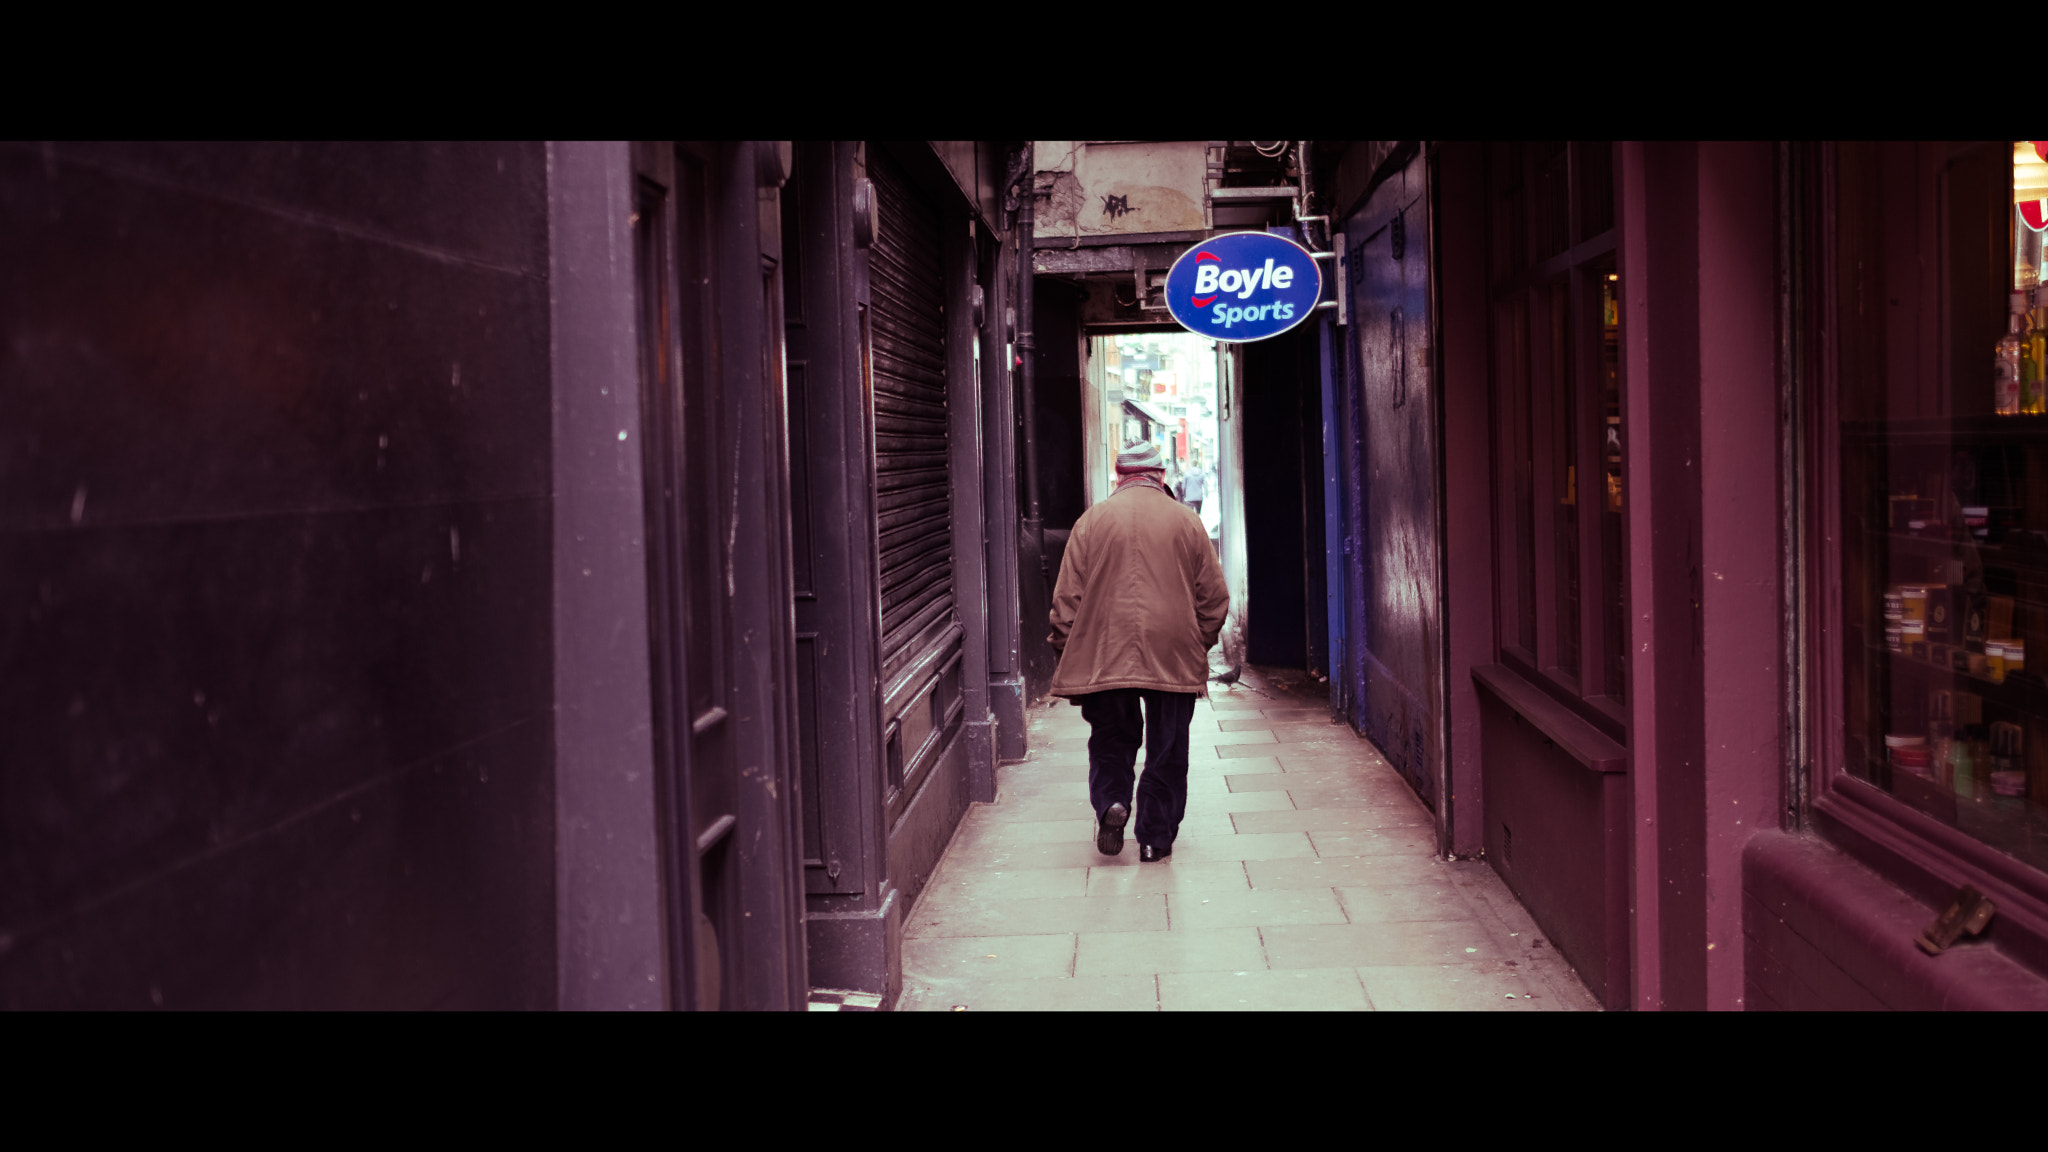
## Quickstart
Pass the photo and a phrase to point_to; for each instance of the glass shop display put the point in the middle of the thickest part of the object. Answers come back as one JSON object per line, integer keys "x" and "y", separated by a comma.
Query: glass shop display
{"x": 1945, "y": 548}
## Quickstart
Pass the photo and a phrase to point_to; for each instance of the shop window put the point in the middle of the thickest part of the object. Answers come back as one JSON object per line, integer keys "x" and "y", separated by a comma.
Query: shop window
{"x": 1556, "y": 371}
{"x": 1936, "y": 339}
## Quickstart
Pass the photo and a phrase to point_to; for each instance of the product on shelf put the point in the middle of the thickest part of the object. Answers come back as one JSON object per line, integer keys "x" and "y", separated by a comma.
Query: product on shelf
{"x": 2007, "y": 774}
{"x": 2007, "y": 356}
{"x": 1913, "y": 597}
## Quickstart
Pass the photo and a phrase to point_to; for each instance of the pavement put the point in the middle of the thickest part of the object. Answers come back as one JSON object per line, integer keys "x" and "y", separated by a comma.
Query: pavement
{"x": 1304, "y": 878}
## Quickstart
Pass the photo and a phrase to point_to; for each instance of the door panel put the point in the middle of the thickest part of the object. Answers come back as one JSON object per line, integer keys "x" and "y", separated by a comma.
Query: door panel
{"x": 830, "y": 489}
{"x": 690, "y": 609}
{"x": 1397, "y": 642}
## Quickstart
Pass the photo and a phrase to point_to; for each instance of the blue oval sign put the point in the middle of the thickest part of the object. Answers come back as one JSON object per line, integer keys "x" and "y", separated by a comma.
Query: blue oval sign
{"x": 1243, "y": 286}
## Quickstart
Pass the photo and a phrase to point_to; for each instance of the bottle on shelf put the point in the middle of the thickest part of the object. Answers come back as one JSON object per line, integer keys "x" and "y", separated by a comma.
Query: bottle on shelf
{"x": 1962, "y": 769}
{"x": 1941, "y": 738}
{"x": 2008, "y": 776}
{"x": 2006, "y": 359}
{"x": 2036, "y": 402}
{"x": 2034, "y": 360}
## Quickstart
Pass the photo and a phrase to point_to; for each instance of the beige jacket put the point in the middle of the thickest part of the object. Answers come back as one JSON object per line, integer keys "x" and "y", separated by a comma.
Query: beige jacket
{"x": 1140, "y": 599}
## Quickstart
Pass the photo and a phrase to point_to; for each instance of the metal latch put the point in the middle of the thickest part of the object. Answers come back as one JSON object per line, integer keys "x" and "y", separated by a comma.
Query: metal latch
{"x": 1966, "y": 916}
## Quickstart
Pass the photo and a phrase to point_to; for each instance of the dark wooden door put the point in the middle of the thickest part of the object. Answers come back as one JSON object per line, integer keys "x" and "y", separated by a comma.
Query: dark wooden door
{"x": 1396, "y": 630}
{"x": 831, "y": 482}
{"x": 690, "y": 610}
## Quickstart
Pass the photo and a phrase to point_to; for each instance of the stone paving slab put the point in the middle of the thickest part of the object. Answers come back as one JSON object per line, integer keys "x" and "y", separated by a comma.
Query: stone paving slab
{"x": 1328, "y": 744}
{"x": 1017, "y": 884}
{"x": 1330, "y": 819}
{"x": 1387, "y": 903}
{"x": 990, "y": 957}
{"x": 1378, "y": 945}
{"x": 1489, "y": 987}
{"x": 1339, "y": 758}
{"x": 1355, "y": 795}
{"x": 1024, "y": 779}
{"x": 1321, "y": 780}
{"x": 1195, "y": 824}
{"x": 1324, "y": 872}
{"x": 1067, "y": 781}
{"x": 979, "y": 833}
{"x": 1175, "y": 875}
{"x": 1075, "y": 854}
{"x": 1180, "y": 950}
{"x": 1039, "y": 916}
{"x": 1312, "y": 732}
{"x": 1067, "y": 804}
{"x": 1250, "y": 990}
{"x": 1239, "y": 846}
{"x": 1296, "y": 715}
{"x": 1413, "y": 845}
{"x": 1234, "y": 766}
{"x": 1241, "y": 749}
{"x": 1304, "y": 879}
{"x": 1070, "y": 994}
{"x": 1393, "y": 867}
{"x": 1221, "y": 799}
{"x": 1260, "y": 909}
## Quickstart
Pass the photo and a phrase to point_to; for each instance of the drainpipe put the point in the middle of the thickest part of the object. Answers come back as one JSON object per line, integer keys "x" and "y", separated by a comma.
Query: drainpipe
{"x": 1027, "y": 352}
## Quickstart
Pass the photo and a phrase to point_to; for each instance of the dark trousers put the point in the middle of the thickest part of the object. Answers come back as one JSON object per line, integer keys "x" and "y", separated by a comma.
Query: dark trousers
{"x": 1113, "y": 754}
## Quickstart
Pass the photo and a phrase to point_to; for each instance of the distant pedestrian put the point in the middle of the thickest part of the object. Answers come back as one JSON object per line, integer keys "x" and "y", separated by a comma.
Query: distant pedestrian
{"x": 1139, "y": 603}
{"x": 1192, "y": 490}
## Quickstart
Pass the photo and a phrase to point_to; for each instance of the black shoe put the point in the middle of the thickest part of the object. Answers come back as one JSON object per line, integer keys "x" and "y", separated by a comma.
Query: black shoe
{"x": 1109, "y": 829}
{"x": 1151, "y": 852}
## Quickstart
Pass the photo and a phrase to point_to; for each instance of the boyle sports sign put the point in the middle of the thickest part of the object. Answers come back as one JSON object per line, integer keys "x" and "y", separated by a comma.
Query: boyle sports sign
{"x": 1243, "y": 286}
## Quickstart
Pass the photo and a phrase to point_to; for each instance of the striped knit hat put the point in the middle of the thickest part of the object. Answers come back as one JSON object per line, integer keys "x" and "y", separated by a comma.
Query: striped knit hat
{"x": 1140, "y": 458}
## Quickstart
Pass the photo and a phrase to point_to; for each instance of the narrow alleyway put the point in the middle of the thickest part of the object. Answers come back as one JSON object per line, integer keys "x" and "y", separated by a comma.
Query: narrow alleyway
{"x": 1303, "y": 879}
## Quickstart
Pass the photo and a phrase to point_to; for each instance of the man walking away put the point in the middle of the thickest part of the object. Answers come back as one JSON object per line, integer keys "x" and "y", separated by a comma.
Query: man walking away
{"x": 1139, "y": 603}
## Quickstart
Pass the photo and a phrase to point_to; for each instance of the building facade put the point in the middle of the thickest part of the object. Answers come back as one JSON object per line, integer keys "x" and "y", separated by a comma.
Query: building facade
{"x": 1696, "y": 425}
{"x": 486, "y": 576}
{"x": 602, "y": 575}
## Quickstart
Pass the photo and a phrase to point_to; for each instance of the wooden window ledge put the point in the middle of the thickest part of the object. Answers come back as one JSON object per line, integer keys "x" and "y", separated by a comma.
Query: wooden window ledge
{"x": 1558, "y": 724}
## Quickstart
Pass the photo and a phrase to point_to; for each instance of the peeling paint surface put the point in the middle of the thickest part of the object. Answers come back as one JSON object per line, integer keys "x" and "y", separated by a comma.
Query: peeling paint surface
{"x": 1109, "y": 189}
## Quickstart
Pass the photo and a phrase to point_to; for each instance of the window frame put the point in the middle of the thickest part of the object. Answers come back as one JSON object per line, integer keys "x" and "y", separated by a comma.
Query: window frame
{"x": 1915, "y": 850}
{"x": 1526, "y": 400}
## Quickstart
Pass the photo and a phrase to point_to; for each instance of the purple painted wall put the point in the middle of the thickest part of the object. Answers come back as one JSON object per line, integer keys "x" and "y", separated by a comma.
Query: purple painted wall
{"x": 1469, "y": 618}
{"x": 1670, "y": 883}
{"x": 277, "y": 524}
{"x": 1824, "y": 932}
{"x": 1555, "y": 831}
{"x": 1660, "y": 347}
{"x": 1742, "y": 705}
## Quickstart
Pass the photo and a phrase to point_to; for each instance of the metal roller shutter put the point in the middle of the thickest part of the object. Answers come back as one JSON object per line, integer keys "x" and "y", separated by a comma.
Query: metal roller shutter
{"x": 914, "y": 506}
